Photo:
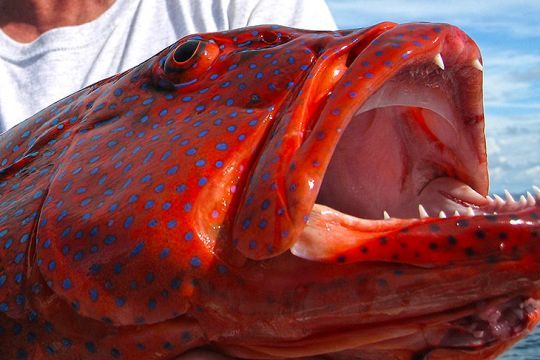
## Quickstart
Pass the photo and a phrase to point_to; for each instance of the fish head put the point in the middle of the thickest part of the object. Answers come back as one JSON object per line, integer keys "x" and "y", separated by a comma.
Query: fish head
{"x": 235, "y": 184}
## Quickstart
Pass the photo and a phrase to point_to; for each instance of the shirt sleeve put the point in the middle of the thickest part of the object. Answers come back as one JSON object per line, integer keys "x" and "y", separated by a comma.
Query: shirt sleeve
{"x": 304, "y": 14}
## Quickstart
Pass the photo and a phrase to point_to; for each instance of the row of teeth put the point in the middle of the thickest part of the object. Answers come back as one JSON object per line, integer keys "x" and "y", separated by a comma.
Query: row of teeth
{"x": 438, "y": 60}
{"x": 495, "y": 204}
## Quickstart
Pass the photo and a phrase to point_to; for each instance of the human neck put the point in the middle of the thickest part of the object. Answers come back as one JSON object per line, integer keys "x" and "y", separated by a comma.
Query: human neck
{"x": 25, "y": 20}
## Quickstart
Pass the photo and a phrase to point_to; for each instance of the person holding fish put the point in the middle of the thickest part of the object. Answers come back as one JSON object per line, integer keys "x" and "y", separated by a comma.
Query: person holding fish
{"x": 49, "y": 49}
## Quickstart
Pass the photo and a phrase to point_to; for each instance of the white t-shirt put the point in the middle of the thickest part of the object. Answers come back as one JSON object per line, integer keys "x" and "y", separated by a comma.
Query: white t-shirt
{"x": 64, "y": 60}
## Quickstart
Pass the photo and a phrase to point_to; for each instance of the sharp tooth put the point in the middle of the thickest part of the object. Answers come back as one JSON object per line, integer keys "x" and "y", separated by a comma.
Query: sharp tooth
{"x": 537, "y": 191}
{"x": 423, "y": 212}
{"x": 522, "y": 201}
{"x": 470, "y": 211}
{"x": 442, "y": 215}
{"x": 477, "y": 65}
{"x": 530, "y": 199}
{"x": 385, "y": 215}
{"x": 499, "y": 200}
{"x": 439, "y": 61}
{"x": 456, "y": 213}
{"x": 509, "y": 197}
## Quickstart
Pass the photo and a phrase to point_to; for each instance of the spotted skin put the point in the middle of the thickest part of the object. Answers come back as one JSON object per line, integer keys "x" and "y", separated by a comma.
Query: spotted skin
{"x": 151, "y": 213}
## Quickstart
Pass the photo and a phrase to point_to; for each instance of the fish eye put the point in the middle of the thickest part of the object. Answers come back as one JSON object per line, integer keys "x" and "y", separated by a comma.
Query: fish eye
{"x": 185, "y": 63}
{"x": 186, "y": 51}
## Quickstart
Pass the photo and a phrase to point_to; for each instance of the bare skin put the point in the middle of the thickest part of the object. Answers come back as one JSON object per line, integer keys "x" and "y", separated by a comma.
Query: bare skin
{"x": 26, "y": 20}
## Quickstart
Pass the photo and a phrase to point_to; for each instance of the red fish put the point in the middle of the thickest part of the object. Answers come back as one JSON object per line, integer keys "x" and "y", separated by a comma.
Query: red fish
{"x": 256, "y": 192}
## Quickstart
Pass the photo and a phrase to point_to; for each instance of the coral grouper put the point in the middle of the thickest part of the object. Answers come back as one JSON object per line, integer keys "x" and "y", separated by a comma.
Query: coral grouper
{"x": 267, "y": 193}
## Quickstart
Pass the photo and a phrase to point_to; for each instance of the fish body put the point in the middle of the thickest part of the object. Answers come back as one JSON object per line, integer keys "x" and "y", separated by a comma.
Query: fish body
{"x": 228, "y": 193}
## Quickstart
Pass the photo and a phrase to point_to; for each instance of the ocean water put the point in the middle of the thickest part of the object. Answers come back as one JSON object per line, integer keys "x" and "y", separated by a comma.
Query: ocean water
{"x": 528, "y": 349}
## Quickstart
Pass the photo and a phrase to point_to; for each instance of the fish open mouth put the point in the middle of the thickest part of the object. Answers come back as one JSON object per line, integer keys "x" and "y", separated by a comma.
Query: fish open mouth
{"x": 409, "y": 144}
{"x": 413, "y": 150}
{"x": 413, "y": 154}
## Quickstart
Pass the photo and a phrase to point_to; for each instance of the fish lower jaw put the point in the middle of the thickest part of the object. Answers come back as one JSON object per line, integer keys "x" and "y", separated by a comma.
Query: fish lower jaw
{"x": 333, "y": 236}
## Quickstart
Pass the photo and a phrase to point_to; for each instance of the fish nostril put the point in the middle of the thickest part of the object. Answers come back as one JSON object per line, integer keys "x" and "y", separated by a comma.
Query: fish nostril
{"x": 269, "y": 38}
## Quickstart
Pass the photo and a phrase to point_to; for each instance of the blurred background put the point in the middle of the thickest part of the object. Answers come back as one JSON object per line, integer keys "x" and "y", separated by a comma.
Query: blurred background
{"x": 508, "y": 33}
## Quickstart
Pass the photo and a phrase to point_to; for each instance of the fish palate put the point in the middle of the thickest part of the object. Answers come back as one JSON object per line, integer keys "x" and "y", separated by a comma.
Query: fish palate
{"x": 268, "y": 193}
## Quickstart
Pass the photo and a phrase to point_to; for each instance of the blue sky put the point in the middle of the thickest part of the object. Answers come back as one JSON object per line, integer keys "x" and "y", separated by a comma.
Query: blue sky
{"x": 508, "y": 33}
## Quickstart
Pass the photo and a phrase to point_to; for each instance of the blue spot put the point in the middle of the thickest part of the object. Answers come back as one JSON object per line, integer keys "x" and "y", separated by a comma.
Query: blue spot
{"x": 219, "y": 163}
{"x": 166, "y": 155}
{"x": 202, "y": 181}
{"x": 78, "y": 255}
{"x": 166, "y": 206}
{"x": 93, "y": 294}
{"x": 159, "y": 188}
{"x": 117, "y": 268}
{"x": 195, "y": 261}
{"x": 66, "y": 284}
{"x": 146, "y": 179}
{"x": 4, "y": 307}
{"x": 164, "y": 253}
{"x": 222, "y": 146}
{"x": 95, "y": 268}
{"x": 120, "y": 301}
{"x": 3, "y": 279}
{"x": 109, "y": 239}
{"x": 137, "y": 249}
{"x": 188, "y": 236}
{"x": 175, "y": 283}
{"x": 149, "y": 277}
{"x": 171, "y": 224}
{"x": 19, "y": 257}
{"x": 252, "y": 244}
{"x": 152, "y": 304}
{"x": 200, "y": 163}
{"x": 187, "y": 207}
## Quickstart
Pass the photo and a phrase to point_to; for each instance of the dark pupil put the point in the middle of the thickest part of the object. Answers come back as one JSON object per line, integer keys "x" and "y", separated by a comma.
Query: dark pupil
{"x": 185, "y": 51}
